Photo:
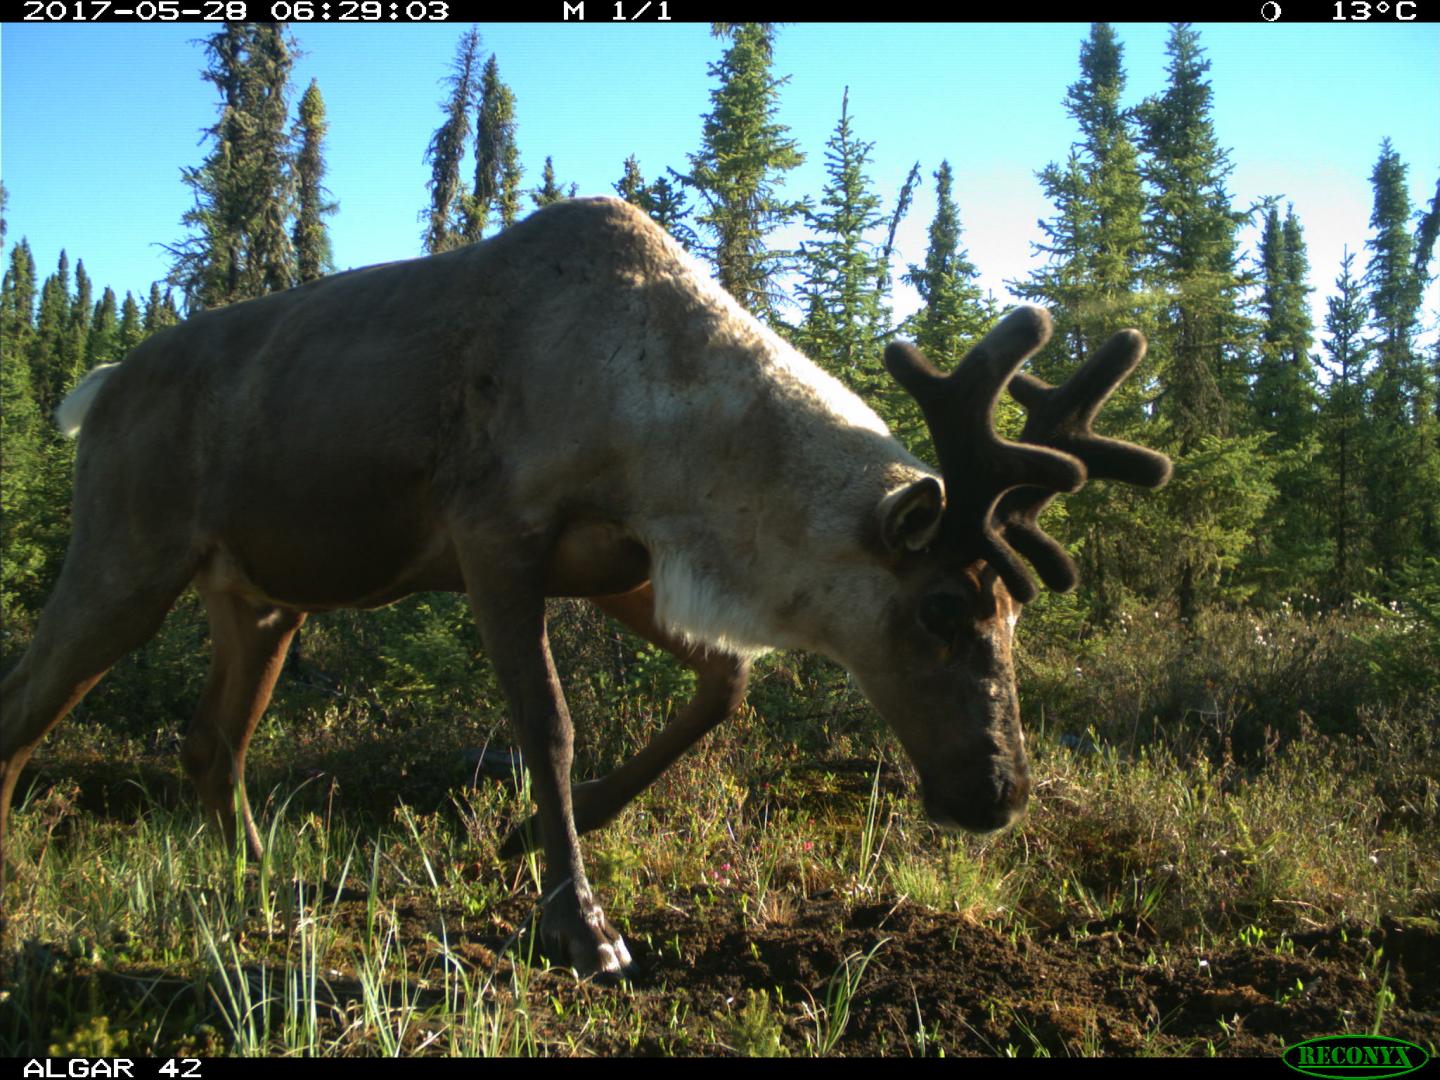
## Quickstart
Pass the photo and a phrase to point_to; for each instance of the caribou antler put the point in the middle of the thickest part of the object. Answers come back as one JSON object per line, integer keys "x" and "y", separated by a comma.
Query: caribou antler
{"x": 1060, "y": 417}
{"x": 990, "y": 480}
{"x": 977, "y": 464}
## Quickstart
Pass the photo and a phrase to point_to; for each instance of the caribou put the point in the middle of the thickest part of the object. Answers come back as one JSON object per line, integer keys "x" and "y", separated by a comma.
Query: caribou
{"x": 571, "y": 408}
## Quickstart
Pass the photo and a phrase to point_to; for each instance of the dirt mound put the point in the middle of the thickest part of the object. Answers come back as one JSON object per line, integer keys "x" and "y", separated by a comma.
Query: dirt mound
{"x": 936, "y": 983}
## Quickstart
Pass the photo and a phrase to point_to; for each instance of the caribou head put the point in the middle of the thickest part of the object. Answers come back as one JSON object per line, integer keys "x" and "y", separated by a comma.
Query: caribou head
{"x": 944, "y": 678}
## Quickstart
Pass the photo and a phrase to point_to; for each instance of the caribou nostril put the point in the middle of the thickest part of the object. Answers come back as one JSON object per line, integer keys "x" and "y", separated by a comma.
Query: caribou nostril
{"x": 1014, "y": 791}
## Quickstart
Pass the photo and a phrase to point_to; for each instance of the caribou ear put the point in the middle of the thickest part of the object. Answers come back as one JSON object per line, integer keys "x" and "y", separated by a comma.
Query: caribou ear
{"x": 910, "y": 516}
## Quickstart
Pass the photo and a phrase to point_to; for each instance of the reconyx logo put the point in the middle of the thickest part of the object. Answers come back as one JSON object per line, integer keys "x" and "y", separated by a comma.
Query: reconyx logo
{"x": 1344, "y": 1057}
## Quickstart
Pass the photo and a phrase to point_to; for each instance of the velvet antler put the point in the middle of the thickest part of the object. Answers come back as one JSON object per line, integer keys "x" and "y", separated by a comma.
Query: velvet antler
{"x": 978, "y": 465}
{"x": 995, "y": 489}
{"x": 1060, "y": 417}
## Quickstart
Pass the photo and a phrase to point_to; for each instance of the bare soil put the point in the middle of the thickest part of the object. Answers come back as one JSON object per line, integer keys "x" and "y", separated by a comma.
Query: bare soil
{"x": 1091, "y": 990}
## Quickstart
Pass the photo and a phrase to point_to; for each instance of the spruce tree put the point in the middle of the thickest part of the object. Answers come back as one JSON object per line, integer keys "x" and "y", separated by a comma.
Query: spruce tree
{"x": 1300, "y": 325}
{"x": 955, "y": 313}
{"x": 160, "y": 310}
{"x": 103, "y": 344}
{"x": 662, "y": 200}
{"x": 1192, "y": 248}
{"x": 670, "y": 209}
{"x": 240, "y": 244}
{"x": 17, "y": 301}
{"x": 1095, "y": 241}
{"x": 56, "y": 360}
{"x": 48, "y": 372}
{"x": 132, "y": 330}
{"x": 1065, "y": 284}
{"x": 549, "y": 191}
{"x": 738, "y": 169}
{"x": 1094, "y": 248}
{"x": 208, "y": 266}
{"x": 311, "y": 237}
{"x": 20, "y": 432}
{"x": 72, "y": 362}
{"x": 508, "y": 202}
{"x": 631, "y": 186}
{"x": 1395, "y": 288}
{"x": 1283, "y": 383}
{"x": 1403, "y": 449}
{"x": 497, "y": 159}
{"x": 846, "y": 315}
{"x": 953, "y": 317}
{"x": 1342, "y": 425}
{"x": 22, "y": 502}
{"x": 271, "y": 265}
{"x": 1088, "y": 283}
{"x": 1291, "y": 549}
{"x": 447, "y": 147}
{"x": 1200, "y": 340}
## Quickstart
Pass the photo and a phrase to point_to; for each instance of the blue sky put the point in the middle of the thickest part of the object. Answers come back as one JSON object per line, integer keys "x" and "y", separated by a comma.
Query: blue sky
{"x": 98, "y": 121}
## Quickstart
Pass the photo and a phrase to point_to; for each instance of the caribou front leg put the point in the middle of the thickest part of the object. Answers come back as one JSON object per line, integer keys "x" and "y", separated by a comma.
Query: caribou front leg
{"x": 719, "y": 689}
{"x": 510, "y": 610}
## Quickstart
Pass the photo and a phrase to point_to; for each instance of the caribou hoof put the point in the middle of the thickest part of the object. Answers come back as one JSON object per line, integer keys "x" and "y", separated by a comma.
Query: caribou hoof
{"x": 574, "y": 932}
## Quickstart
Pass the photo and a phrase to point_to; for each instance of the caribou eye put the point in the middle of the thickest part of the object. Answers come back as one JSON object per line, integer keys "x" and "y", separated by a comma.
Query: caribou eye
{"x": 943, "y": 614}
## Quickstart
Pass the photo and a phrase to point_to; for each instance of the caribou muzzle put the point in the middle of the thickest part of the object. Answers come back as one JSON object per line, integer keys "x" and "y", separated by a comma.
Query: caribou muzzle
{"x": 988, "y": 795}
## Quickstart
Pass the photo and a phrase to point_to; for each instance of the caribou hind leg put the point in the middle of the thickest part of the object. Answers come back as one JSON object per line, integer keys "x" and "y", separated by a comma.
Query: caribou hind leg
{"x": 248, "y": 645}
{"x": 106, "y": 603}
{"x": 718, "y": 693}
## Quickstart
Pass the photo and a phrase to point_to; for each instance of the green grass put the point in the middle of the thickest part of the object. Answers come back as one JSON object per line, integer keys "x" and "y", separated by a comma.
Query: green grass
{"x": 833, "y": 1016}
